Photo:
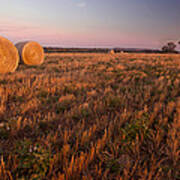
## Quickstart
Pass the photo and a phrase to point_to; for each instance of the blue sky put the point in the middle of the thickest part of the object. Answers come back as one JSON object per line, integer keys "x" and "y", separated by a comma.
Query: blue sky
{"x": 99, "y": 23}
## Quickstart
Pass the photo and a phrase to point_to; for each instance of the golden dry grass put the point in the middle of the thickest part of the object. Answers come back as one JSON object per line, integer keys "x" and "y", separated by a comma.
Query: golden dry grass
{"x": 9, "y": 57}
{"x": 92, "y": 116}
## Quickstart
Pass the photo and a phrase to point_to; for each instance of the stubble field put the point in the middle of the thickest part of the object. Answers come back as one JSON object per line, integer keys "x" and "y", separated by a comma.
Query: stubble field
{"x": 92, "y": 116}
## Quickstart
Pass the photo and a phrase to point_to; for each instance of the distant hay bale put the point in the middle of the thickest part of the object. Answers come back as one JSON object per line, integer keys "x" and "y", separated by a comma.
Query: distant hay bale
{"x": 112, "y": 51}
{"x": 9, "y": 57}
{"x": 31, "y": 52}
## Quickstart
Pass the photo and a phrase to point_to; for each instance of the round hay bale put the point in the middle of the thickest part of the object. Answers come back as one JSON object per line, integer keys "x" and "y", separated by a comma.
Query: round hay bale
{"x": 112, "y": 51}
{"x": 9, "y": 57}
{"x": 31, "y": 52}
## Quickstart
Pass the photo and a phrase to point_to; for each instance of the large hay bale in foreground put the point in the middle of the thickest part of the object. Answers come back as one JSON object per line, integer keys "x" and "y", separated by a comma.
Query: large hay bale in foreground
{"x": 31, "y": 52}
{"x": 9, "y": 57}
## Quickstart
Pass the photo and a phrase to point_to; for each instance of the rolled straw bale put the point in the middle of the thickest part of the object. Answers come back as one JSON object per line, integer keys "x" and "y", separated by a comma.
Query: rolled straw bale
{"x": 9, "y": 57}
{"x": 112, "y": 51}
{"x": 31, "y": 52}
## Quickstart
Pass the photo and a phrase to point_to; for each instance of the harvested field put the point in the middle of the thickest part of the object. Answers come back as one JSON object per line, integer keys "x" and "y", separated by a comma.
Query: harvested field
{"x": 92, "y": 116}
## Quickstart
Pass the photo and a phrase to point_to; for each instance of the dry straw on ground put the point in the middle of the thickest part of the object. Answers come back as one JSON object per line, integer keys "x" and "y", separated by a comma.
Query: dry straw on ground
{"x": 31, "y": 52}
{"x": 92, "y": 116}
{"x": 9, "y": 57}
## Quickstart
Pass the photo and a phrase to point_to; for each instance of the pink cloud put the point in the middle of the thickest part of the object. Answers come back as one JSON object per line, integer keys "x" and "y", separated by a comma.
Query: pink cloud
{"x": 20, "y": 31}
{"x": 16, "y": 31}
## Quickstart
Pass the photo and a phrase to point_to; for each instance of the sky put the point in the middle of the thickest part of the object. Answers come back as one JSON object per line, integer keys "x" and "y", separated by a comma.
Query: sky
{"x": 91, "y": 23}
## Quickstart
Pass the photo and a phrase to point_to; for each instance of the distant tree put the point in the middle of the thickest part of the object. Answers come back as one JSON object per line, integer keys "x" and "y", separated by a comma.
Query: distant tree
{"x": 169, "y": 48}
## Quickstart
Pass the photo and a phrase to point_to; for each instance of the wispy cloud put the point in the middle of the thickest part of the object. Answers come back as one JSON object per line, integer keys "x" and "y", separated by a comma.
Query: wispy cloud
{"x": 20, "y": 31}
{"x": 81, "y": 4}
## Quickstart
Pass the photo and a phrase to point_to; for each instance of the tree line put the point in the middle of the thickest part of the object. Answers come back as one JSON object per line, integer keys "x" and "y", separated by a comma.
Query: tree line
{"x": 170, "y": 47}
